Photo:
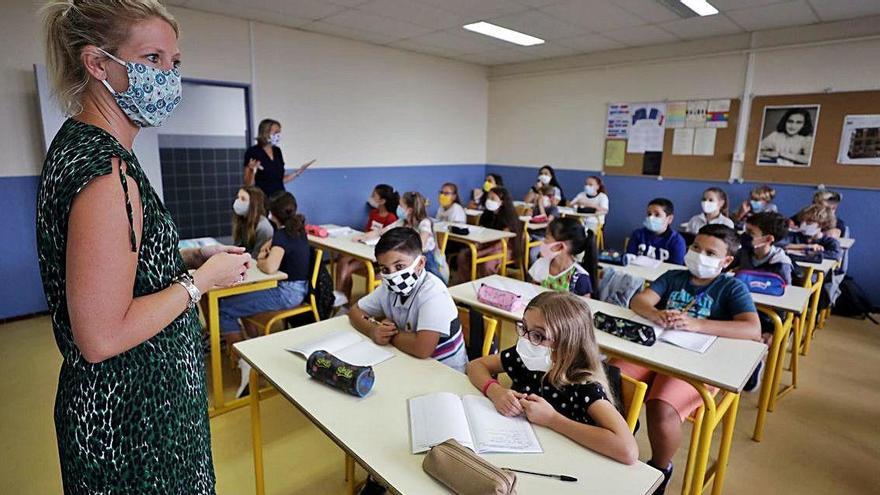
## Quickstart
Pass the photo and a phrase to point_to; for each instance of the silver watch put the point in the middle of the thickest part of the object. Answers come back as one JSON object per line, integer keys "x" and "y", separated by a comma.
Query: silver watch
{"x": 186, "y": 280}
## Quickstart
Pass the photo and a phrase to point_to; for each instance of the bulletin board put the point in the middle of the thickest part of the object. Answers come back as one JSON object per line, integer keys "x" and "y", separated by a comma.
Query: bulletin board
{"x": 824, "y": 168}
{"x": 715, "y": 167}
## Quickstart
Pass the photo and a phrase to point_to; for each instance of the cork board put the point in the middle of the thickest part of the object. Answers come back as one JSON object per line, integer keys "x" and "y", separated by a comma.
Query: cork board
{"x": 715, "y": 167}
{"x": 823, "y": 168}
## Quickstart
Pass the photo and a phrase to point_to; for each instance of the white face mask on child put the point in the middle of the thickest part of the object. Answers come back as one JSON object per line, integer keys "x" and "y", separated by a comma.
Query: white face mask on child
{"x": 240, "y": 207}
{"x": 534, "y": 357}
{"x": 702, "y": 266}
{"x": 403, "y": 281}
{"x": 492, "y": 205}
{"x": 709, "y": 207}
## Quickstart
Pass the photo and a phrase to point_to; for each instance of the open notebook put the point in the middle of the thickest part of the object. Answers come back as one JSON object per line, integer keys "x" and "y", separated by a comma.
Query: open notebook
{"x": 348, "y": 346}
{"x": 472, "y": 420}
{"x": 698, "y": 342}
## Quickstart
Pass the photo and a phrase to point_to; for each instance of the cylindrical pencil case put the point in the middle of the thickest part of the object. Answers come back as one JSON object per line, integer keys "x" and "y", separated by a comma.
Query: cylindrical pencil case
{"x": 351, "y": 379}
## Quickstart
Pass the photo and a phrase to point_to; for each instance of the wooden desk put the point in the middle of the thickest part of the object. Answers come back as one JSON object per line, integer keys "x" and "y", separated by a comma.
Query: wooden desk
{"x": 375, "y": 429}
{"x": 256, "y": 280}
{"x": 477, "y": 237}
{"x": 727, "y": 364}
{"x": 345, "y": 245}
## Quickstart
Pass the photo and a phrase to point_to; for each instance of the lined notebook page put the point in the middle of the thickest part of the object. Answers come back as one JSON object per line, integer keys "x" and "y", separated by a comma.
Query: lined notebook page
{"x": 494, "y": 432}
{"x": 435, "y": 418}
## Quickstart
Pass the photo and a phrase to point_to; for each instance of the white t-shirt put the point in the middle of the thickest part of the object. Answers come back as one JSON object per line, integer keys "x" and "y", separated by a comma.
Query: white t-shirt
{"x": 781, "y": 143}
{"x": 453, "y": 214}
{"x": 697, "y": 222}
{"x": 428, "y": 307}
{"x": 598, "y": 201}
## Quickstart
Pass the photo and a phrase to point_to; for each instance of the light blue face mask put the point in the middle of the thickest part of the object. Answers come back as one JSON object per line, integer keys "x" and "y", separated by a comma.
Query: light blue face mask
{"x": 757, "y": 206}
{"x": 151, "y": 96}
{"x": 401, "y": 213}
{"x": 654, "y": 224}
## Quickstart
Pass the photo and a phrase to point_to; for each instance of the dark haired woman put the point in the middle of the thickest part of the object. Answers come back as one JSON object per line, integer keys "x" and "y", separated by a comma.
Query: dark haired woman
{"x": 264, "y": 163}
{"x": 792, "y": 141}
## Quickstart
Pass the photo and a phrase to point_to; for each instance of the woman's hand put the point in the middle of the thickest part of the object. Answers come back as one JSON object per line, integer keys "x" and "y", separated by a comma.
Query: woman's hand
{"x": 206, "y": 252}
{"x": 223, "y": 269}
{"x": 254, "y": 165}
{"x": 506, "y": 401}
{"x": 538, "y": 410}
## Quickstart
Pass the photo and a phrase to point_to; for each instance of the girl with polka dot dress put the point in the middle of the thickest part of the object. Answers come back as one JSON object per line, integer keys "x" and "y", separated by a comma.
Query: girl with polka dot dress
{"x": 557, "y": 376}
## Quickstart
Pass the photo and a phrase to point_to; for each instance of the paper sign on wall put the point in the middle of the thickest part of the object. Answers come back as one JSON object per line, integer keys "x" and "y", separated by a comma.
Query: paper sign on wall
{"x": 696, "y": 113}
{"x": 683, "y": 142}
{"x": 676, "y": 114}
{"x": 618, "y": 121}
{"x": 704, "y": 141}
{"x": 647, "y": 125}
{"x": 718, "y": 113}
{"x": 615, "y": 152}
{"x": 860, "y": 141}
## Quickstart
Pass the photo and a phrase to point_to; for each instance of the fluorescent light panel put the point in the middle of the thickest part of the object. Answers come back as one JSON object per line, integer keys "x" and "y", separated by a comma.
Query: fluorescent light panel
{"x": 502, "y": 33}
{"x": 701, "y": 7}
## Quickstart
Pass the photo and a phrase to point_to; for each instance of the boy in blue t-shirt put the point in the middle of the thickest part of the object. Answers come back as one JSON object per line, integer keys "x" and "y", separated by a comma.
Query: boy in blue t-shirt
{"x": 656, "y": 239}
{"x": 700, "y": 299}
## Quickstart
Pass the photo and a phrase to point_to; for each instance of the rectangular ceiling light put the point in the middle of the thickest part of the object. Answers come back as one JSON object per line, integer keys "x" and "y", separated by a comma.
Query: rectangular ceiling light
{"x": 503, "y": 33}
{"x": 701, "y": 7}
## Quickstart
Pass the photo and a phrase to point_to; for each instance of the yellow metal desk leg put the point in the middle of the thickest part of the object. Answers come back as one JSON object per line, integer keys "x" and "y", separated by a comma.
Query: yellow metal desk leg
{"x": 705, "y": 442}
{"x": 724, "y": 447}
{"x": 503, "y": 257}
{"x": 812, "y": 319}
{"x": 473, "y": 249}
{"x": 216, "y": 369}
{"x": 770, "y": 371}
{"x": 349, "y": 474}
{"x": 257, "y": 432}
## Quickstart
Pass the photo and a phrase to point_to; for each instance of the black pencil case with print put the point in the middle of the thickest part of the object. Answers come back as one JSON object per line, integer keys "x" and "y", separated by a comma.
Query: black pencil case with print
{"x": 626, "y": 329}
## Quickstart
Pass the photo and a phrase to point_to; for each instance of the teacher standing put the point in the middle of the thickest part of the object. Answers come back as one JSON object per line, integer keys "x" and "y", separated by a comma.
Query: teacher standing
{"x": 264, "y": 163}
{"x": 131, "y": 406}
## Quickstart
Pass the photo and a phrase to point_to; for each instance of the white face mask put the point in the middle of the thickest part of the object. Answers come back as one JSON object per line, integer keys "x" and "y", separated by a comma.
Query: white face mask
{"x": 590, "y": 190}
{"x": 275, "y": 139}
{"x": 654, "y": 224}
{"x": 404, "y": 281}
{"x": 702, "y": 266}
{"x": 534, "y": 357}
{"x": 240, "y": 207}
{"x": 810, "y": 229}
{"x": 545, "y": 179}
{"x": 492, "y": 205}
{"x": 709, "y": 207}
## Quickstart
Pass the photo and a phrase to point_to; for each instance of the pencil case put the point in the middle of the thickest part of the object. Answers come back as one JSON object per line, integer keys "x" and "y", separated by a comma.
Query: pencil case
{"x": 499, "y": 298}
{"x": 453, "y": 229}
{"x": 351, "y": 379}
{"x": 612, "y": 258}
{"x": 626, "y": 329}
{"x": 466, "y": 473}
{"x": 586, "y": 209}
{"x": 316, "y": 230}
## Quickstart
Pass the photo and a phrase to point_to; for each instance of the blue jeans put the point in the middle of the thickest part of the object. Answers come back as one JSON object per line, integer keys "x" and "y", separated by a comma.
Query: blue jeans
{"x": 287, "y": 295}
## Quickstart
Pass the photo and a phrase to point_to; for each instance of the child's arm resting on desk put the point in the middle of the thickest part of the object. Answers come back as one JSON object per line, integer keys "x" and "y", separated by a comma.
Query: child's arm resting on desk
{"x": 420, "y": 344}
{"x": 481, "y": 372}
{"x": 742, "y": 326}
{"x": 379, "y": 332}
{"x": 611, "y": 437}
{"x": 269, "y": 259}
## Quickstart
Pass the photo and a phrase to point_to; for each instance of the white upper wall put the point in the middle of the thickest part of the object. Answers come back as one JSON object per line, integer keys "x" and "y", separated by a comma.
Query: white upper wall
{"x": 559, "y": 117}
{"x": 344, "y": 102}
{"x": 352, "y": 104}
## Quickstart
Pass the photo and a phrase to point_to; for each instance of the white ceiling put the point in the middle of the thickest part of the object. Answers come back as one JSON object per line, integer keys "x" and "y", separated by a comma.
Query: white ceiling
{"x": 570, "y": 27}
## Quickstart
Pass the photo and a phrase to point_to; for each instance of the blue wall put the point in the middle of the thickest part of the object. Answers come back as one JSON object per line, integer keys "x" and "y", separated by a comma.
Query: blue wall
{"x": 338, "y": 195}
{"x": 21, "y": 290}
{"x": 629, "y": 196}
{"x": 325, "y": 195}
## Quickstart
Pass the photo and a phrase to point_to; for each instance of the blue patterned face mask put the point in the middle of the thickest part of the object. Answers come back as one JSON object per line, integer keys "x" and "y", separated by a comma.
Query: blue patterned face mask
{"x": 151, "y": 96}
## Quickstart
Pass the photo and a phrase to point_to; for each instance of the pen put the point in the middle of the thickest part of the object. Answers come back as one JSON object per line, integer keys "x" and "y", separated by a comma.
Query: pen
{"x": 560, "y": 477}
{"x": 371, "y": 319}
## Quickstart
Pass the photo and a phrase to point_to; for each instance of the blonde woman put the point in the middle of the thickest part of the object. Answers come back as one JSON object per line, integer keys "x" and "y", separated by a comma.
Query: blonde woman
{"x": 131, "y": 407}
{"x": 264, "y": 163}
{"x": 558, "y": 378}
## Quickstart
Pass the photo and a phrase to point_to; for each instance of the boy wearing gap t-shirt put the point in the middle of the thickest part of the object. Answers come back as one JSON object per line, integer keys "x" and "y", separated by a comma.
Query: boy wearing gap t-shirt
{"x": 656, "y": 239}
{"x": 700, "y": 299}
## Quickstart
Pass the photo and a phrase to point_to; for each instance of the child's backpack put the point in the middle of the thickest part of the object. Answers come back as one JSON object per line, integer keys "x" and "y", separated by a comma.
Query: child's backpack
{"x": 761, "y": 282}
{"x": 853, "y": 302}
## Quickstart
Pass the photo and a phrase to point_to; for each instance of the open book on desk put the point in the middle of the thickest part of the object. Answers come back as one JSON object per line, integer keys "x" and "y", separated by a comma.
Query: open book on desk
{"x": 692, "y": 341}
{"x": 471, "y": 420}
{"x": 348, "y": 346}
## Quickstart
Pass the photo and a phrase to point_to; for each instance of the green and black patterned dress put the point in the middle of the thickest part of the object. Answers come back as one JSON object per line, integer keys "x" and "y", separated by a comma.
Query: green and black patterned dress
{"x": 137, "y": 422}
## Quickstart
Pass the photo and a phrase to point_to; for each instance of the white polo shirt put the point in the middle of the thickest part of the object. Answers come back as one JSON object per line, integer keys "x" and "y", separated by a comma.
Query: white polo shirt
{"x": 428, "y": 307}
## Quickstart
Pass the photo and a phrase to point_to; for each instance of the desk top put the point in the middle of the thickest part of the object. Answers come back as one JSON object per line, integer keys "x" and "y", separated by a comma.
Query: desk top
{"x": 255, "y": 275}
{"x": 650, "y": 274}
{"x": 728, "y": 363}
{"x": 383, "y": 445}
{"x": 825, "y": 266}
{"x": 572, "y": 212}
{"x": 477, "y": 235}
{"x": 846, "y": 242}
{"x": 345, "y": 245}
{"x": 472, "y": 212}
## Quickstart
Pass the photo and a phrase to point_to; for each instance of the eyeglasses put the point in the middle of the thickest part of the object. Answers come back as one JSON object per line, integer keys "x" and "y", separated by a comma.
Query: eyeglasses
{"x": 447, "y": 193}
{"x": 533, "y": 336}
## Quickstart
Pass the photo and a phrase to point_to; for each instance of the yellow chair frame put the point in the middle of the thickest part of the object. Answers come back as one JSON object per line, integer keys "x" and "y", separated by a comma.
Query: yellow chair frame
{"x": 268, "y": 319}
{"x": 635, "y": 391}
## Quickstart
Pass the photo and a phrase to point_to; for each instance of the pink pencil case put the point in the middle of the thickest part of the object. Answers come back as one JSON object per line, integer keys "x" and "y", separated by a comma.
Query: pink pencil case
{"x": 500, "y": 298}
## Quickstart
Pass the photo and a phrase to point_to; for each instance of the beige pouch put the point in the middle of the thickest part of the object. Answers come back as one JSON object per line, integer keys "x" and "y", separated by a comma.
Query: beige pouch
{"x": 466, "y": 473}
